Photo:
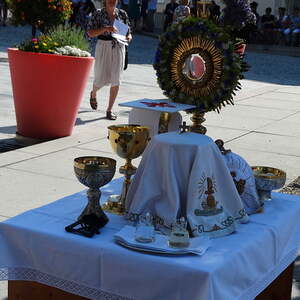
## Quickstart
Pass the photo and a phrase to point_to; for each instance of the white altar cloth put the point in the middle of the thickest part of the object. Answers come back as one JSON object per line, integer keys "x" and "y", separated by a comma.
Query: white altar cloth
{"x": 149, "y": 116}
{"x": 171, "y": 106}
{"x": 34, "y": 246}
{"x": 185, "y": 175}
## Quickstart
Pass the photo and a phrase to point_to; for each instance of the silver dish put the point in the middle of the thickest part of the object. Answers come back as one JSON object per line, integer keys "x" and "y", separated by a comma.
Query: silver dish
{"x": 152, "y": 251}
{"x": 267, "y": 179}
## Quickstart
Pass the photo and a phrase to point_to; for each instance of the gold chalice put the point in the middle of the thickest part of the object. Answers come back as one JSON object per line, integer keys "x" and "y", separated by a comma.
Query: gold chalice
{"x": 266, "y": 180}
{"x": 129, "y": 142}
{"x": 94, "y": 172}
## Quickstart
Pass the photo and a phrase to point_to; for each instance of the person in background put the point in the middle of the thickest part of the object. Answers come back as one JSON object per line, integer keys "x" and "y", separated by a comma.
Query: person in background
{"x": 253, "y": 6}
{"x": 182, "y": 11}
{"x": 110, "y": 54}
{"x": 214, "y": 10}
{"x": 144, "y": 7}
{"x": 150, "y": 15}
{"x": 169, "y": 12}
{"x": 283, "y": 20}
{"x": 282, "y": 23}
{"x": 85, "y": 10}
{"x": 134, "y": 13}
{"x": 3, "y": 12}
{"x": 268, "y": 22}
{"x": 250, "y": 32}
{"x": 256, "y": 26}
{"x": 124, "y": 5}
{"x": 75, "y": 4}
{"x": 89, "y": 7}
{"x": 293, "y": 32}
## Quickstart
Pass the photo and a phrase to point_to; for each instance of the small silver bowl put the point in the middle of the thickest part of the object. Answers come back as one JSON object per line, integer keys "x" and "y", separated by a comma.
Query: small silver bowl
{"x": 267, "y": 179}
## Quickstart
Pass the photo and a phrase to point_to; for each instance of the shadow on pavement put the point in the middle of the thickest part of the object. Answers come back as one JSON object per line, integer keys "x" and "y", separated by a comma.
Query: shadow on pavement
{"x": 8, "y": 129}
{"x": 9, "y": 144}
{"x": 79, "y": 121}
{"x": 271, "y": 68}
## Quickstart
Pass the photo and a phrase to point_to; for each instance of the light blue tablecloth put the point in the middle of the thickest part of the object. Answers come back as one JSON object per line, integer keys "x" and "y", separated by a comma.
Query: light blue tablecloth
{"x": 34, "y": 246}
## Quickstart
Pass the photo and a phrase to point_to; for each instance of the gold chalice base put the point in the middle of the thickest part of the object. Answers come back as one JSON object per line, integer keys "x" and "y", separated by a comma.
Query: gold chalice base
{"x": 114, "y": 205}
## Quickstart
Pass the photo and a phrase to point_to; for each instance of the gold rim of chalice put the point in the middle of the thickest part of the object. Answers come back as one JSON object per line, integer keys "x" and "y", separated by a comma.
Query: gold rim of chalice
{"x": 128, "y": 128}
{"x": 268, "y": 172}
{"x": 92, "y": 162}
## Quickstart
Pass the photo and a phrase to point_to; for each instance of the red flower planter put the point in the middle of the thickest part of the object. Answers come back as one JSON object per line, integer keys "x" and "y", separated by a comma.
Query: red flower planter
{"x": 47, "y": 90}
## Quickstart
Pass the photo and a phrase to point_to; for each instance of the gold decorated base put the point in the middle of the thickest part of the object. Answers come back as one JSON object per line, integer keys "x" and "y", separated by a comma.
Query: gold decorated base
{"x": 114, "y": 205}
{"x": 164, "y": 120}
{"x": 198, "y": 119}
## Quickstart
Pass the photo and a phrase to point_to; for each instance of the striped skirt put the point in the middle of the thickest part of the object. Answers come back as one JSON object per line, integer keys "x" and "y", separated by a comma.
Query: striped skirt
{"x": 109, "y": 63}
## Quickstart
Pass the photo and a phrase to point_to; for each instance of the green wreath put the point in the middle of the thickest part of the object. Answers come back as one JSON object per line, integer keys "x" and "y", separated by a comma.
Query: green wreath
{"x": 223, "y": 66}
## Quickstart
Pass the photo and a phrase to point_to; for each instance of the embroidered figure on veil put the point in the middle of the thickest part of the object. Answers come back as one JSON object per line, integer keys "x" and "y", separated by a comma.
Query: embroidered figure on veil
{"x": 206, "y": 194}
{"x": 210, "y": 200}
{"x": 211, "y": 219}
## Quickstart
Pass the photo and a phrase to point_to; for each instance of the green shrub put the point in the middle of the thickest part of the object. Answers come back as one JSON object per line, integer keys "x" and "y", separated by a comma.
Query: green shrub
{"x": 63, "y": 39}
{"x": 66, "y": 35}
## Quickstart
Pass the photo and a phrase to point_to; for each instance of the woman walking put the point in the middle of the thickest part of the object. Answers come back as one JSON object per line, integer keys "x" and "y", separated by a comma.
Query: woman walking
{"x": 110, "y": 54}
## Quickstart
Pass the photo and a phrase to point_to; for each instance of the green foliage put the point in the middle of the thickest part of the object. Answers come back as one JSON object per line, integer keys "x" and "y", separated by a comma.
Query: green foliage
{"x": 66, "y": 35}
{"x": 232, "y": 67}
{"x": 42, "y": 14}
{"x": 57, "y": 37}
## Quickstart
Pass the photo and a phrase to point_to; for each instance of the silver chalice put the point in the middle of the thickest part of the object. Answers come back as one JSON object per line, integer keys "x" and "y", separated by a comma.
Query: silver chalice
{"x": 267, "y": 179}
{"x": 94, "y": 172}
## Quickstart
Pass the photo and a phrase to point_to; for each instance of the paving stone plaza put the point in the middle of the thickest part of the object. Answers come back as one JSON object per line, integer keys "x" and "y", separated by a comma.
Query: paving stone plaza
{"x": 263, "y": 127}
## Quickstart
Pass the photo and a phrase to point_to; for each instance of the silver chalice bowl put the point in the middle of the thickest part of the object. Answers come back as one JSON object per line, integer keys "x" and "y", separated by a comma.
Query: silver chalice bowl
{"x": 267, "y": 179}
{"x": 94, "y": 172}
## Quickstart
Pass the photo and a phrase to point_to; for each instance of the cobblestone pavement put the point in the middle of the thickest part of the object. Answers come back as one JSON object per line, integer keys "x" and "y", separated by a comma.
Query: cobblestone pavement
{"x": 265, "y": 67}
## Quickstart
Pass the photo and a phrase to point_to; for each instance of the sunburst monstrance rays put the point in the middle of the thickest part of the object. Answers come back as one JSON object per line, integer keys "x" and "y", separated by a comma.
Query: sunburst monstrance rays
{"x": 213, "y": 65}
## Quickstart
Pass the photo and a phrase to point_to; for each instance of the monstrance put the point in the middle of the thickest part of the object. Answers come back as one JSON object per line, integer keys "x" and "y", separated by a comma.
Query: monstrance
{"x": 197, "y": 63}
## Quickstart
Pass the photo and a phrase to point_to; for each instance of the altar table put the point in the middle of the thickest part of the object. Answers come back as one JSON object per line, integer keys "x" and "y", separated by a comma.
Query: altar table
{"x": 35, "y": 247}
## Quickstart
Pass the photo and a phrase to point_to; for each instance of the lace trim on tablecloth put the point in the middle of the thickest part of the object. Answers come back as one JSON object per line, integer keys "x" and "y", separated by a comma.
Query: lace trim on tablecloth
{"x": 28, "y": 274}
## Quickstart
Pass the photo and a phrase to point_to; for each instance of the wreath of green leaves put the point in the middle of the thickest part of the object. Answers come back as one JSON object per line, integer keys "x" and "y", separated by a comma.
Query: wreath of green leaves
{"x": 224, "y": 63}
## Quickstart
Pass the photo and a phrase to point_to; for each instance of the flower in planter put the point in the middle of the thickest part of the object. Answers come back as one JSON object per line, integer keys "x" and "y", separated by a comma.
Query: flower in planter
{"x": 63, "y": 40}
{"x": 42, "y": 14}
{"x": 71, "y": 51}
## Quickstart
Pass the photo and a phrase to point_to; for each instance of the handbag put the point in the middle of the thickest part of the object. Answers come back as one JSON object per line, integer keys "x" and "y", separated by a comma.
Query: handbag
{"x": 126, "y": 58}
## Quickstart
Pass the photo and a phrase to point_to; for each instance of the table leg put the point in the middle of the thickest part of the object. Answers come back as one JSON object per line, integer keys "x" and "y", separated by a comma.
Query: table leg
{"x": 280, "y": 288}
{"x": 29, "y": 290}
